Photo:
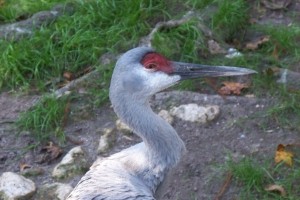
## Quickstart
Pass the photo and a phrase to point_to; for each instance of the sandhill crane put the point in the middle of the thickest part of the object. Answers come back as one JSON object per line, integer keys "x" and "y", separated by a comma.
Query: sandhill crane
{"x": 136, "y": 172}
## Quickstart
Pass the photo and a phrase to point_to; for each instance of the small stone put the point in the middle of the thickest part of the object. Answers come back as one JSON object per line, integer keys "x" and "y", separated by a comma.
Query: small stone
{"x": 15, "y": 187}
{"x": 196, "y": 113}
{"x": 233, "y": 53}
{"x": 242, "y": 136}
{"x": 54, "y": 191}
{"x": 166, "y": 116}
{"x": 72, "y": 163}
{"x": 121, "y": 126}
{"x": 106, "y": 140}
{"x": 254, "y": 148}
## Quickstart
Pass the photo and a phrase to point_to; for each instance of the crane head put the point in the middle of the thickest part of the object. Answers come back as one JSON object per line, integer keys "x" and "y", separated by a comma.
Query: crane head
{"x": 143, "y": 72}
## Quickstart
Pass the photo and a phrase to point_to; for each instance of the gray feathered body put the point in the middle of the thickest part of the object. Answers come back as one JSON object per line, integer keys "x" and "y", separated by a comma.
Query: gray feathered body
{"x": 136, "y": 172}
{"x": 116, "y": 178}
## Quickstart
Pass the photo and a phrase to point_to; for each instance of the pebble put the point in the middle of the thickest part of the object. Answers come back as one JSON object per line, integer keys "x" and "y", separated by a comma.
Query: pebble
{"x": 72, "y": 163}
{"x": 14, "y": 187}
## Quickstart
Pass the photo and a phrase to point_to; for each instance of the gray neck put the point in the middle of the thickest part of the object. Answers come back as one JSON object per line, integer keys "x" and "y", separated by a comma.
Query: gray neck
{"x": 162, "y": 142}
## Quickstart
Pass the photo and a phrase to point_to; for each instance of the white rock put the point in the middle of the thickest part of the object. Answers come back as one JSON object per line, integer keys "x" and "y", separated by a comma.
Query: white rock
{"x": 106, "y": 139}
{"x": 74, "y": 161}
{"x": 166, "y": 116}
{"x": 121, "y": 126}
{"x": 233, "y": 53}
{"x": 55, "y": 191}
{"x": 195, "y": 113}
{"x": 14, "y": 186}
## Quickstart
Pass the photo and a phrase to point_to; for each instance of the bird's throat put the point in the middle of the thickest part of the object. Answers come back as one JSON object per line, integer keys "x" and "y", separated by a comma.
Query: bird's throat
{"x": 163, "y": 144}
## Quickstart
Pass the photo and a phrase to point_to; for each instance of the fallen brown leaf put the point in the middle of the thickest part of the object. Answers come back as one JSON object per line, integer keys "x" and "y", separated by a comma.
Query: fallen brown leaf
{"x": 24, "y": 166}
{"x": 55, "y": 151}
{"x": 282, "y": 155}
{"x": 253, "y": 45}
{"x": 52, "y": 152}
{"x": 276, "y": 188}
{"x": 232, "y": 88}
{"x": 69, "y": 76}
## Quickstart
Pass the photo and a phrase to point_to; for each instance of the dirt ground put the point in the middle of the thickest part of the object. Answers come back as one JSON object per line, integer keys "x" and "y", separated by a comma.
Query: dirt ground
{"x": 240, "y": 130}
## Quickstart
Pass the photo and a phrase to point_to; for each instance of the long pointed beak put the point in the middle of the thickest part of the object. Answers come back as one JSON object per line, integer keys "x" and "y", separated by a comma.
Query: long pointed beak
{"x": 189, "y": 71}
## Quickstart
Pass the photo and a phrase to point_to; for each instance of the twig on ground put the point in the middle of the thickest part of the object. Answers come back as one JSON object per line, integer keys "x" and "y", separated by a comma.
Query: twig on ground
{"x": 7, "y": 121}
{"x": 74, "y": 83}
{"x": 147, "y": 40}
{"x": 106, "y": 59}
{"x": 224, "y": 186}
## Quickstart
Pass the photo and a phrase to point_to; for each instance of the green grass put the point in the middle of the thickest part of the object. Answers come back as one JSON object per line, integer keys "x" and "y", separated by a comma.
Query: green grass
{"x": 75, "y": 42}
{"x": 45, "y": 119}
{"x": 252, "y": 177}
{"x": 230, "y": 18}
{"x": 182, "y": 43}
{"x": 247, "y": 172}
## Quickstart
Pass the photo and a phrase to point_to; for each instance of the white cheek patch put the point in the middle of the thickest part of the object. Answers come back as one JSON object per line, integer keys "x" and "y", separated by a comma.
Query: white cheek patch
{"x": 157, "y": 81}
{"x": 162, "y": 80}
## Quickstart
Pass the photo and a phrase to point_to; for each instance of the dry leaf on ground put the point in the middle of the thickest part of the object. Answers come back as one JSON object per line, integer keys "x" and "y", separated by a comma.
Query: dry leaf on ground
{"x": 253, "y": 45}
{"x": 276, "y": 188}
{"x": 69, "y": 76}
{"x": 282, "y": 155}
{"x": 24, "y": 166}
{"x": 52, "y": 152}
{"x": 232, "y": 88}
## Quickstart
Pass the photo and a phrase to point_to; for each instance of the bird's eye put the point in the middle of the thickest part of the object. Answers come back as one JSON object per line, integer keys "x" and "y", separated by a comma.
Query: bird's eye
{"x": 151, "y": 66}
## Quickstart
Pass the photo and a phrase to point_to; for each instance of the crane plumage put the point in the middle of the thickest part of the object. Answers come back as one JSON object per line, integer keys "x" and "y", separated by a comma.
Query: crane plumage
{"x": 136, "y": 172}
